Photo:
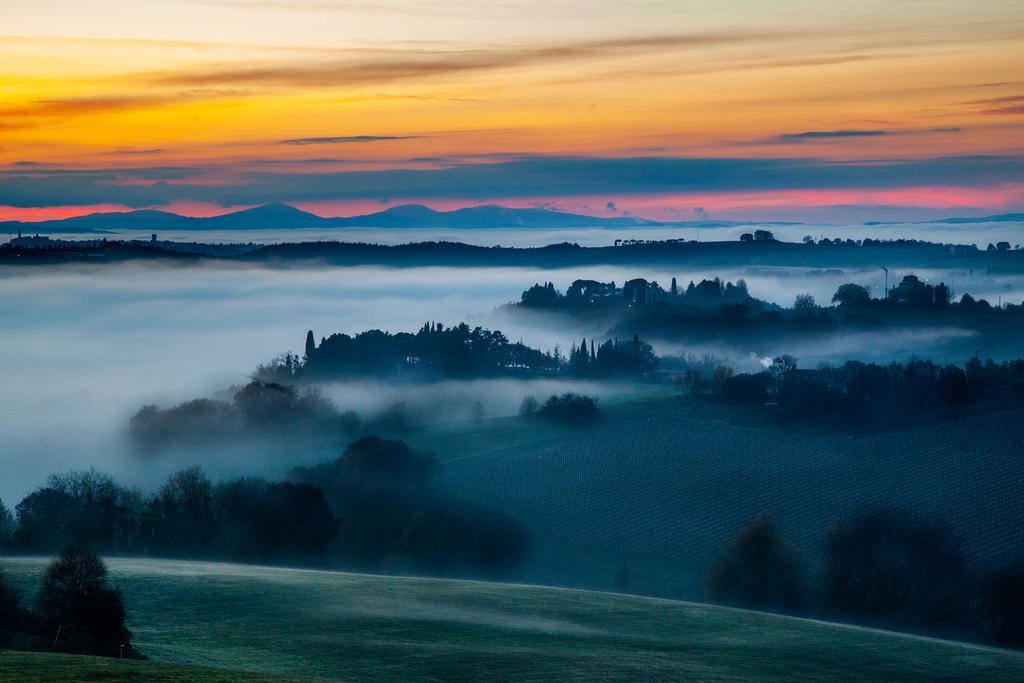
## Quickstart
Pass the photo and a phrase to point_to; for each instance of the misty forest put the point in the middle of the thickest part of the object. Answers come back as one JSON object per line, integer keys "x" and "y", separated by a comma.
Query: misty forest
{"x": 519, "y": 341}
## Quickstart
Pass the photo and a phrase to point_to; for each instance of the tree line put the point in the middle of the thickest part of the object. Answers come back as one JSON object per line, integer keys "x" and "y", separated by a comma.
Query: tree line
{"x": 373, "y": 508}
{"x": 857, "y": 394}
{"x": 880, "y": 568}
{"x": 456, "y": 352}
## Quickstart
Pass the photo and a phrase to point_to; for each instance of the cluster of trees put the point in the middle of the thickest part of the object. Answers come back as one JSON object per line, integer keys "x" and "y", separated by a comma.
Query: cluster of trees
{"x": 880, "y": 569}
{"x": 75, "y": 611}
{"x": 612, "y": 358}
{"x": 257, "y": 409}
{"x": 246, "y": 519}
{"x": 392, "y": 517}
{"x": 395, "y": 519}
{"x": 857, "y": 392}
{"x": 432, "y": 352}
{"x": 569, "y": 408}
{"x": 587, "y": 295}
{"x": 458, "y": 352}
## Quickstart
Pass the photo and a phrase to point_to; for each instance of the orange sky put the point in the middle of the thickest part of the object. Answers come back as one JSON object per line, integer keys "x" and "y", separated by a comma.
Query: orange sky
{"x": 213, "y": 92}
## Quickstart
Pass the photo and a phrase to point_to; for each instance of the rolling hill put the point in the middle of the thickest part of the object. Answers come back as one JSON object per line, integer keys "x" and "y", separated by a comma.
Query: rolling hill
{"x": 357, "y": 627}
{"x": 44, "y": 667}
{"x": 657, "y": 490}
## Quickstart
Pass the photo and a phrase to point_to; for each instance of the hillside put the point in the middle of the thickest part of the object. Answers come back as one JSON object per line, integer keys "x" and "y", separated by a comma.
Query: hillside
{"x": 359, "y": 627}
{"x": 38, "y": 667}
{"x": 657, "y": 488}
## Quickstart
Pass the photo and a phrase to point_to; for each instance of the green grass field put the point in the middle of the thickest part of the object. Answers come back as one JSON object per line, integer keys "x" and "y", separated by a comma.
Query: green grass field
{"x": 662, "y": 482}
{"x": 357, "y": 627}
{"x": 36, "y": 667}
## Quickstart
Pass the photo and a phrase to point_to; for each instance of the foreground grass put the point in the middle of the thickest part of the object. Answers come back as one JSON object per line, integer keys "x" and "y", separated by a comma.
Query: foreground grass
{"x": 44, "y": 668}
{"x": 356, "y": 627}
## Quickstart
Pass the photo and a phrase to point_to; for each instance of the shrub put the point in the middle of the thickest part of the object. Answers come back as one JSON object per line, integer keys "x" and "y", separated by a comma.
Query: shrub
{"x": 757, "y": 569}
{"x": 895, "y": 570}
{"x": 570, "y": 408}
{"x": 528, "y": 406}
{"x": 78, "y": 612}
{"x": 1003, "y": 606}
{"x": 13, "y": 617}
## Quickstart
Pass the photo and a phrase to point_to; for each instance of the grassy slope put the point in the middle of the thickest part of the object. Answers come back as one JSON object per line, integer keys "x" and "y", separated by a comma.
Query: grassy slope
{"x": 32, "y": 667}
{"x": 360, "y": 627}
{"x": 662, "y": 482}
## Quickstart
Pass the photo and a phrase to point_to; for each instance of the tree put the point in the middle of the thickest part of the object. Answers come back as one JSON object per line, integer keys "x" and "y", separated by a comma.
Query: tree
{"x": 294, "y": 521}
{"x": 851, "y": 296}
{"x": 570, "y": 408}
{"x": 6, "y": 525}
{"x": 782, "y": 365}
{"x": 1003, "y": 606}
{"x": 528, "y": 406}
{"x": 78, "y": 612}
{"x": 804, "y": 303}
{"x": 757, "y": 569}
{"x": 78, "y": 507}
{"x": 180, "y": 519}
{"x": 894, "y": 569}
{"x": 310, "y": 345}
{"x": 13, "y": 617}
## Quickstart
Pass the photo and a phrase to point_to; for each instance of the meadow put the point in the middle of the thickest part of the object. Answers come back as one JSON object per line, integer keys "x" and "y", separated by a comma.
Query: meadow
{"x": 358, "y": 627}
{"x": 659, "y": 486}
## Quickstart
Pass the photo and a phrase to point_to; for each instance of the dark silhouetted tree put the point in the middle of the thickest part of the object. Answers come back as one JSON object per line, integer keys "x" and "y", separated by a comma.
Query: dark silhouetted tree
{"x": 87, "y": 508}
{"x": 78, "y": 612}
{"x": 892, "y": 569}
{"x": 757, "y": 569}
{"x": 7, "y": 526}
{"x": 570, "y": 408}
{"x": 310, "y": 345}
{"x": 1003, "y": 606}
{"x": 13, "y": 617}
{"x": 804, "y": 303}
{"x": 851, "y": 296}
{"x": 528, "y": 406}
{"x": 180, "y": 520}
{"x": 294, "y": 522}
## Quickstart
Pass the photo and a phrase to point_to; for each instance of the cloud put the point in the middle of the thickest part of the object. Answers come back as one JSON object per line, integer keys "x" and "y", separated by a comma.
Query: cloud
{"x": 535, "y": 177}
{"x": 39, "y": 111}
{"x": 139, "y": 152}
{"x": 346, "y": 139}
{"x": 824, "y": 135}
{"x": 395, "y": 66}
{"x": 819, "y": 134}
{"x": 1009, "y": 105}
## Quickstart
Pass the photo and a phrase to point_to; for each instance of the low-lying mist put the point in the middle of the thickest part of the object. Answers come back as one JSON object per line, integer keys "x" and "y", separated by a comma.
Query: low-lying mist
{"x": 84, "y": 347}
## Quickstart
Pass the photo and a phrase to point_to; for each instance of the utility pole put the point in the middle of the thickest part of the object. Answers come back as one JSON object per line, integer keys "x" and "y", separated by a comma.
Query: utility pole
{"x": 886, "y": 282}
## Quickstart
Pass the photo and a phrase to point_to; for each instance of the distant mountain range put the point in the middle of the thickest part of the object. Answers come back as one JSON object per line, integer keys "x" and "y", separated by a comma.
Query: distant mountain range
{"x": 283, "y": 216}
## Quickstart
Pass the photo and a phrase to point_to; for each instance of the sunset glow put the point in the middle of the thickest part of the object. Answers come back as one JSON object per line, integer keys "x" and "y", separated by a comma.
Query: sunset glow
{"x": 159, "y": 104}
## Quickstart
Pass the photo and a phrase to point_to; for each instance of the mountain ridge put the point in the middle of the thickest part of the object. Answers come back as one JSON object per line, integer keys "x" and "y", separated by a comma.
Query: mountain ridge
{"x": 285, "y": 216}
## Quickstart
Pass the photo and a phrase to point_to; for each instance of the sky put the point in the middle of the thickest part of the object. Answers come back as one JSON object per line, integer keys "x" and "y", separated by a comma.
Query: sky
{"x": 669, "y": 109}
